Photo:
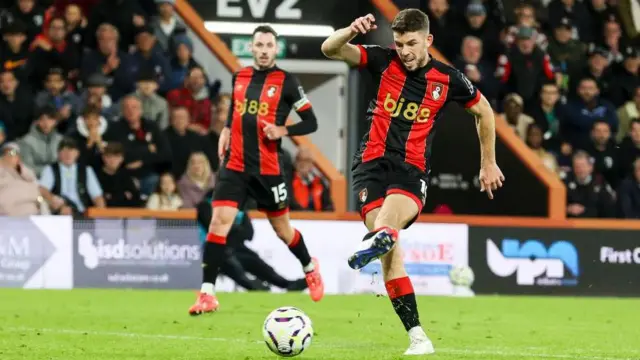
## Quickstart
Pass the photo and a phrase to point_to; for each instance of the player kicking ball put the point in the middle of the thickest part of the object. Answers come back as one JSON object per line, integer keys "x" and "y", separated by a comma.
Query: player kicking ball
{"x": 391, "y": 169}
{"x": 263, "y": 95}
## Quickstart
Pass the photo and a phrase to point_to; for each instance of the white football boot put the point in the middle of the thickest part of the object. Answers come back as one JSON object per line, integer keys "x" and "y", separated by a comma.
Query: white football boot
{"x": 420, "y": 343}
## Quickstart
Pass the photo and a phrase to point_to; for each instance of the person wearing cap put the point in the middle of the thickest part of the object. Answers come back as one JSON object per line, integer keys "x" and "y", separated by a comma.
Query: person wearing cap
{"x": 167, "y": 24}
{"x": 583, "y": 111}
{"x": 15, "y": 51}
{"x": 513, "y": 112}
{"x": 566, "y": 53}
{"x": 154, "y": 106}
{"x": 181, "y": 60}
{"x": 95, "y": 95}
{"x": 477, "y": 25}
{"x": 16, "y": 105}
{"x": 558, "y": 9}
{"x": 526, "y": 18}
{"x": 40, "y": 145}
{"x": 627, "y": 113}
{"x": 110, "y": 61}
{"x": 57, "y": 95}
{"x": 524, "y": 67}
{"x": 19, "y": 193}
{"x": 597, "y": 68}
{"x": 625, "y": 77}
{"x": 149, "y": 55}
{"x": 70, "y": 187}
{"x": 27, "y": 12}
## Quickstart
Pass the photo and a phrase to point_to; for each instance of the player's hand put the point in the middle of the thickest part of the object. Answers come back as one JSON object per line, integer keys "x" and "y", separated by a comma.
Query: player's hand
{"x": 274, "y": 132}
{"x": 491, "y": 178}
{"x": 364, "y": 24}
{"x": 223, "y": 143}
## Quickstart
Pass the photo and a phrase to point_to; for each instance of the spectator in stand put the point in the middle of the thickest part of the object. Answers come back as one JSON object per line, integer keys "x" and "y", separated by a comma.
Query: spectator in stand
{"x": 220, "y": 115}
{"x": 584, "y": 111}
{"x": 626, "y": 114}
{"x": 16, "y": 105}
{"x": 477, "y": 70}
{"x": 91, "y": 134}
{"x": 513, "y": 107}
{"x": 166, "y": 196}
{"x": 548, "y": 113}
{"x": 117, "y": 183}
{"x": 197, "y": 181}
{"x": 182, "y": 61}
{"x": 50, "y": 50}
{"x": 149, "y": 56}
{"x": 15, "y": 51}
{"x": 597, "y": 68}
{"x": 19, "y": 193}
{"x": 69, "y": 187}
{"x": 184, "y": 142}
{"x": 629, "y": 194}
{"x": 534, "y": 141}
{"x": 588, "y": 195}
{"x": 628, "y": 10}
{"x": 612, "y": 41}
{"x": 443, "y": 22}
{"x": 194, "y": 95}
{"x": 124, "y": 15}
{"x": 57, "y": 96}
{"x": 96, "y": 95}
{"x": 310, "y": 189}
{"x": 110, "y": 61}
{"x": 167, "y": 24}
{"x": 575, "y": 10}
{"x": 630, "y": 149}
{"x": 523, "y": 69}
{"x": 566, "y": 53}
{"x": 625, "y": 79}
{"x": 39, "y": 146}
{"x": 526, "y": 18}
{"x": 477, "y": 25}
{"x": 28, "y": 13}
{"x": 154, "y": 106}
{"x": 603, "y": 151}
{"x": 147, "y": 149}
{"x": 600, "y": 12}
{"x": 76, "y": 26}
{"x": 3, "y": 133}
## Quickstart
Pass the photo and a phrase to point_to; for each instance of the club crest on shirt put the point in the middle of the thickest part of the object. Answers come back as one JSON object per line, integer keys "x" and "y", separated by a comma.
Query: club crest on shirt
{"x": 272, "y": 90}
{"x": 436, "y": 90}
{"x": 363, "y": 195}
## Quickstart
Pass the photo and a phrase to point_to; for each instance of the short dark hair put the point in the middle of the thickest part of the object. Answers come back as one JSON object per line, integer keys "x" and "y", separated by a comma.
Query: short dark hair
{"x": 600, "y": 121}
{"x": 90, "y": 111}
{"x": 267, "y": 29}
{"x": 113, "y": 148}
{"x": 57, "y": 18}
{"x": 410, "y": 20}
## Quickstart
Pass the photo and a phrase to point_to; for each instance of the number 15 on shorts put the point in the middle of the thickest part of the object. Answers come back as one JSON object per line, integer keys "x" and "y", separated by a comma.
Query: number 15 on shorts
{"x": 279, "y": 193}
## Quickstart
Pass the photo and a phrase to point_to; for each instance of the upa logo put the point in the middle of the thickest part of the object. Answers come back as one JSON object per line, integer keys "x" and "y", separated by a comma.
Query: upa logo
{"x": 534, "y": 263}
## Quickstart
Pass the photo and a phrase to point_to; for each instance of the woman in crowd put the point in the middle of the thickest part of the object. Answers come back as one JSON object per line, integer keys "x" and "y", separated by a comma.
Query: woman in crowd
{"x": 197, "y": 180}
{"x": 166, "y": 197}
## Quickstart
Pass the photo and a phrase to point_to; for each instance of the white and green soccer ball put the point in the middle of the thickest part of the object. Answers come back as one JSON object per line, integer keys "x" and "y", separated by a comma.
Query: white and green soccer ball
{"x": 461, "y": 275}
{"x": 287, "y": 331}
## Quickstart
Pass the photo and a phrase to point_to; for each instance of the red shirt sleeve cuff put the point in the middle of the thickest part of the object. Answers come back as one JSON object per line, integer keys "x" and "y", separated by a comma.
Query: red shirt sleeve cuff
{"x": 473, "y": 101}
{"x": 364, "y": 59}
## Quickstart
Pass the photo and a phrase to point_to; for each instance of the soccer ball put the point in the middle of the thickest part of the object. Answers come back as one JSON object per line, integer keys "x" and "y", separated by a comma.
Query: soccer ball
{"x": 287, "y": 331}
{"x": 461, "y": 275}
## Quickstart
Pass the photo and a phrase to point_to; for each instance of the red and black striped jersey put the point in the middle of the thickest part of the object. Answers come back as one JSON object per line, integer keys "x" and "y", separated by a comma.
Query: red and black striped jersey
{"x": 408, "y": 105}
{"x": 260, "y": 96}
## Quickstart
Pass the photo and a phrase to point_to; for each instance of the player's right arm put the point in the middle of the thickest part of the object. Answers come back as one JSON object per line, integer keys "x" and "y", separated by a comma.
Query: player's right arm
{"x": 337, "y": 46}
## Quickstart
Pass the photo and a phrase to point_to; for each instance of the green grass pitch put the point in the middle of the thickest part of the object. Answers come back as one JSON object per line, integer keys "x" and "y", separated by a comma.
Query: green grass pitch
{"x": 123, "y": 324}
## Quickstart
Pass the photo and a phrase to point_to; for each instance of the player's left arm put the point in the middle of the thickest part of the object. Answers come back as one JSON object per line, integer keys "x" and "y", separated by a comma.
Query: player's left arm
{"x": 294, "y": 96}
{"x": 465, "y": 93}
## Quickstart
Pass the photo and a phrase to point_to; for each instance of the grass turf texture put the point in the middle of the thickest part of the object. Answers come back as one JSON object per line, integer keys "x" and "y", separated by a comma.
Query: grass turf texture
{"x": 123, "y": 324}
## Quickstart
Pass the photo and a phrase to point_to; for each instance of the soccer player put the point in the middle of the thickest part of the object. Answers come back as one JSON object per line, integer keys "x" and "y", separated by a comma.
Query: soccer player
{"x": 391, "y": 169}
{"x": 249, "y": 147}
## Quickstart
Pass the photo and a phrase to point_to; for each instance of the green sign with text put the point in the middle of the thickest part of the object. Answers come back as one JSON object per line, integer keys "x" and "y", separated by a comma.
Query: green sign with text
{"x": 241, "y": 47}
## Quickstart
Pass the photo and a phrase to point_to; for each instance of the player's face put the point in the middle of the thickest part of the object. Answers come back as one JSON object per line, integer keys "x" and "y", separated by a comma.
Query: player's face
{"x": 264, "y": 49}
{"x": 412, "y": 48}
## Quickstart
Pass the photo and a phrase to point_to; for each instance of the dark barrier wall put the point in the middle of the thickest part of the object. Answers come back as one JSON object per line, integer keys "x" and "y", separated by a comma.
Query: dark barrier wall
{"x": 555, "y": 261}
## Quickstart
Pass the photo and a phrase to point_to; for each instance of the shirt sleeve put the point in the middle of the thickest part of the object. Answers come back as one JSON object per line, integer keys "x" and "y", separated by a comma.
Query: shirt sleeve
{"x": 93, "y": 185}
{"x": 374, "y": 58}
{"x": 295, "y": 95}
{"x": 46, "y": 178}
{"x": 462, "y": 90}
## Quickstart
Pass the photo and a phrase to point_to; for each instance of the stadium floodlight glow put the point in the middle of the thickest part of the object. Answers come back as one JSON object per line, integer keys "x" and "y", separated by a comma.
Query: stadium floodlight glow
{"x": 246, "y": 28}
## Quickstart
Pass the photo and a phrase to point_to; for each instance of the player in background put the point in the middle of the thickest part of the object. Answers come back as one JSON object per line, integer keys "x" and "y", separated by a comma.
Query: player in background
{"x": 263, "y": 95}
{"x": 391, "y": 169}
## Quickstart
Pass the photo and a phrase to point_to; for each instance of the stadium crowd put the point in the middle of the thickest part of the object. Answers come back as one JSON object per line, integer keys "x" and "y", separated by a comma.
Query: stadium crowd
{"x": 109, "y": 108}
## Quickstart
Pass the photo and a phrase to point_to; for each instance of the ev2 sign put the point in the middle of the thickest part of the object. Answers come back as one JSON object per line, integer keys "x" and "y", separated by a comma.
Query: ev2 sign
{"x": 282, "y": 9}
{"x": 534, "y": 263}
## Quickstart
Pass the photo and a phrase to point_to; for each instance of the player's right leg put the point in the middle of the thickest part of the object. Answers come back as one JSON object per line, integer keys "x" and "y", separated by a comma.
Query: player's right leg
{"x": 229, "y": 194}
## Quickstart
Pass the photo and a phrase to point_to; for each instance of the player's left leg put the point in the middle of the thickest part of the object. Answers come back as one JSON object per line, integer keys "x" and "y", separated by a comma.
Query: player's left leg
{"x": 294, "y": 240}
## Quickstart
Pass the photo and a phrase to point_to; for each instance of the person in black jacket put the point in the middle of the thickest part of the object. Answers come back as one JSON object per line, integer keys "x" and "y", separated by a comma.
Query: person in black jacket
{"x": 146, "y": 147}
{"x": 184, "y": 141}
{"x": 629, "y": 194}
{"x": 117, "y": 183}
{"x": 242, "y": 260}
{"x": 588, "y": 195}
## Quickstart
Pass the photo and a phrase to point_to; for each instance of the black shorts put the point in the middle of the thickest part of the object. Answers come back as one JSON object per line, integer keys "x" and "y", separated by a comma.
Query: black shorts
{"x": 269, "y": 191}
{"x": 375, "y": 179}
